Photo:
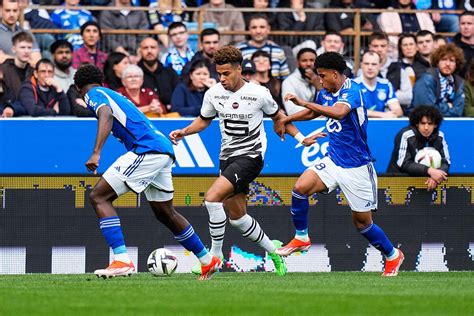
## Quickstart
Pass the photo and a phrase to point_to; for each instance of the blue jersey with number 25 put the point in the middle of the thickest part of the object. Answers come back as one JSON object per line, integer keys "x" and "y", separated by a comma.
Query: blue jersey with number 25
{"x": 348, "y": 146}
{"x": 130, "y": 126}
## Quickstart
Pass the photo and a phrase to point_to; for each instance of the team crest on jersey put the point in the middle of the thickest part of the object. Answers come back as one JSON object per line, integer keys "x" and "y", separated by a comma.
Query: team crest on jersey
{"x": 381, "y": 95}
{"x": 235, "y": 105}
{"x": 344, "y": 96}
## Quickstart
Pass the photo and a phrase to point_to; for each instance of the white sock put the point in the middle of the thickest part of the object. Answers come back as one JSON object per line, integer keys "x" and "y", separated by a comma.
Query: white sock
{"x": 217, "y": 222}
{"x": 206, "y": 259}
{"x": 250, "y": 229}
{"x": 393, "y": 256}
{"x": 122, "y": 257}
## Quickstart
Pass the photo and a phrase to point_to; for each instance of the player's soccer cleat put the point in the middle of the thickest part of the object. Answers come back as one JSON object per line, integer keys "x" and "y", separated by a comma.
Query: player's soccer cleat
{"x": 213, "y": 267}
{"x": 293, "y": 246}
{"x": 392, "y": 266}
{"x": 116, "y": 268}
{"x": 278, "y": 262}
{"x": 196, "y": 269}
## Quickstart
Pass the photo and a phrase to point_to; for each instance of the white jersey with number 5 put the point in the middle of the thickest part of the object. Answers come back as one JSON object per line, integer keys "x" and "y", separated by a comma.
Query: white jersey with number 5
{"x": 240, "y": 118}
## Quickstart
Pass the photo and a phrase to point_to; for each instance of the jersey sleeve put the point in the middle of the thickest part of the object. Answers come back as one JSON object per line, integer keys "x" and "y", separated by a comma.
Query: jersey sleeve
{"x": 96, "y": 100}
{"x": 208, "y": 111}
{"x": 269, "y": 106}
{"x": 350, "y": 96}
{"x": 391, "y": 97}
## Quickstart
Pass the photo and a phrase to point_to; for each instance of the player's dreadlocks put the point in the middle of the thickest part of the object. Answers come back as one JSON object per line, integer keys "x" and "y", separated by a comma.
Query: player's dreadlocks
{"x": 88, "y": 74}
{"x": 331, "y": 60}
{"x": 228, "y": 55}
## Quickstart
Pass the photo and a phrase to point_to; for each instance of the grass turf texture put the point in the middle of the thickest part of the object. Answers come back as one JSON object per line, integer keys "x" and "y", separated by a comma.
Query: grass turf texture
{"x": 352, "y": 293}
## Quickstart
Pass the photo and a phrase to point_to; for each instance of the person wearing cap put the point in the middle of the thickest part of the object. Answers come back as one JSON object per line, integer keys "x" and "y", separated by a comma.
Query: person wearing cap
{"x": 249, "y": 71}
{"x": 61, "y": 50}
{"x": 88, "y": 53}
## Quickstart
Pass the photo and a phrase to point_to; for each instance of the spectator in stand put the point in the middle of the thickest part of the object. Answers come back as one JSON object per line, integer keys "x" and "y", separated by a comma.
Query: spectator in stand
{"x": 249, "y": 71}
{"x": 298, "y": 20}
{"x": 264, "y": 76}
{"x": 394, "y": 22}
{"x": 210, "y": 43}
{"x": 38, "y": 19}
{"x": 42, "y": 96}
{"x": 71, "y": 18}
{"x": 259, "y": 28}
{"x": 144, "y": 98}
{"x": 6, "y": 99}
{"x": 89, "y": 53}
{"x": 9, "y": 26}
{"x": 378, "y": 42}
{"x": 341, "y": 21}
{"x": 62, "y": 59}
{"x": 425, "y": 47}
{"x": 303, "y": 82}
{"x": 16, "y": 71}
{"x": 400, "y": 73}
{"x": 469, "y": 91}
{"x": 229, "y": 20}
{"x": 442, "y": 22}
{"x": 465, "y": 38}
{"x": 379, "y": 93}
{"x": 422, "y": 132}
{"x": 162, "y": 80}
{"x": 113, "y": 68}
{"x": 333, "y": 42}
{"x": 179, "y": 54}
{"x": 439, "y": 40}
{"x": 164, "y": 12}
{"x": 188, "y": 96}
{"x": 258, "y": 5}
{"x": 440, "y": 87}
{"x": 123, "y": 20}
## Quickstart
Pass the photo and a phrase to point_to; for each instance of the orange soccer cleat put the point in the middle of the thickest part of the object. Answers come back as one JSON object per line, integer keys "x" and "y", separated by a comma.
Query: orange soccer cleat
{"x": 208, "y": 270}
{"x": 116, "y": 268}
{"x": 392, "y": 266}
{"x": 294, "y": 245}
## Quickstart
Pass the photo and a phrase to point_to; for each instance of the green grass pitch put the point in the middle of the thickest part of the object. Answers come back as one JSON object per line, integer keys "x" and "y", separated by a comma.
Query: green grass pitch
{"x": 335, "y": 293}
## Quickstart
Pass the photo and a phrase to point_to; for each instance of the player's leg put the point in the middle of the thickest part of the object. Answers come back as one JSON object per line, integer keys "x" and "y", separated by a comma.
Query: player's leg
{"x": 250, "y": 228}
{"x": 160, "y": 196}
{"x": 108, "y": 188}
{"x": 215, "y": 195}
{"x": 308, "y": 183}
{"x": 359, "y": 186}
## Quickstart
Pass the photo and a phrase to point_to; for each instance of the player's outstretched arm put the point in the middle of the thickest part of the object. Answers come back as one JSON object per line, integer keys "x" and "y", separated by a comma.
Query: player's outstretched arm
{"x": 196, "y": 126}
{"x": 338, "y": 111}
{"x": 105, "y": 122}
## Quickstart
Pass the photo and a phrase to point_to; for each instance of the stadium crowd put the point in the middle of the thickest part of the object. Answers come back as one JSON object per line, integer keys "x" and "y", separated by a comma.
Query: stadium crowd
{"x": 168, "y": 74}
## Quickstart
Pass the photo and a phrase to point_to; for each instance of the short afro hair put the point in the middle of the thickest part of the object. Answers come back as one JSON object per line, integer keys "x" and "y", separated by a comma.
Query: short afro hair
{"x": 331, "y": 60}
{"x": 428, "y": 111}
{"x": 88, "y": 74}
{"x": 228, "y": 55}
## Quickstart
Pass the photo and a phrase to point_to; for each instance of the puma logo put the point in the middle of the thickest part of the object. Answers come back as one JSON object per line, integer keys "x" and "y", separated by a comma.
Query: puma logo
{"x": 237, "y": 177}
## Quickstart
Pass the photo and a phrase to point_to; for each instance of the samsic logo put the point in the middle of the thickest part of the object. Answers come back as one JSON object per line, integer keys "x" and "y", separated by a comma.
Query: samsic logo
{"x": 313, "y": 154}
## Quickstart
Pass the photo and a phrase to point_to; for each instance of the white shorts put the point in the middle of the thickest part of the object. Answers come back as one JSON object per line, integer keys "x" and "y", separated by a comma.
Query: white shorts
{"x": 149, "y": 173}
{"x": 359, "y": 185}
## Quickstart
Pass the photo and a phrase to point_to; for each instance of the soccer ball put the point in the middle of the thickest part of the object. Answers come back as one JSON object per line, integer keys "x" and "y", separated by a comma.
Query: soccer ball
{"x": 429, "y": 157}
{"x": 162, "y": 262}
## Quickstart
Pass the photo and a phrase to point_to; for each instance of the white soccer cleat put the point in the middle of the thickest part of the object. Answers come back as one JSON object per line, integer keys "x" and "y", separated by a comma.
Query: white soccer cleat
{"x": 116, "y": 268}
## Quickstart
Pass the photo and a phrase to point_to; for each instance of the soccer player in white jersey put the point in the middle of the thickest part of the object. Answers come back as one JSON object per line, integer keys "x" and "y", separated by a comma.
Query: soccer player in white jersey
{"x": 146, "y": 167}
{"x": 240, "y": 106}
{"x": 348, "y": 164}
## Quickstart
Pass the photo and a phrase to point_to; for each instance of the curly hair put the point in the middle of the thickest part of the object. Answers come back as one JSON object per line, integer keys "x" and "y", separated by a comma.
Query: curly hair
{"x": 448, "y": 51}
{"x": 88, "y": 74}
{"x": 331, "y": 60}
{"x": 428, "y": 111}
{"x": 228, "y": 55}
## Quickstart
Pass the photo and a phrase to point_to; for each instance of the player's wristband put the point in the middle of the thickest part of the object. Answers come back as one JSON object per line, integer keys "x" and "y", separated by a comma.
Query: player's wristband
{"x": 299, "y": 137}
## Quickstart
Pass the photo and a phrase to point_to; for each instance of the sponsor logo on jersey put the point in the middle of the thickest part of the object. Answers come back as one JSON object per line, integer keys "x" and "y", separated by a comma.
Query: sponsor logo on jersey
{"x": 241, "y": 116}
{"x": 247, "y": 98}
{"x": 221, "y": 97}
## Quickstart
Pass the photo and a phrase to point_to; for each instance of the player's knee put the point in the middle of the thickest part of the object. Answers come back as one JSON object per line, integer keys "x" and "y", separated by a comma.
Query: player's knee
{"x": 95, "y": 197}
{"x": 301, "y": 189}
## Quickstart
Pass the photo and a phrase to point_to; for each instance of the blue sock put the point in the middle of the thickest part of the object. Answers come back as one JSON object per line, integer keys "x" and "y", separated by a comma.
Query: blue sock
{"x": 299, "y": 212}
{"x": 377, "y": 238}
{"x": 112, "y": 232}
{"x": 191, "y": 241}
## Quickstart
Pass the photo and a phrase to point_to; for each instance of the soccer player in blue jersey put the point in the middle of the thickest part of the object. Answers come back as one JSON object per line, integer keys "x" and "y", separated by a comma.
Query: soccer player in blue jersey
{"x": 348, "y": 164}
{"x": 146, "y": 167}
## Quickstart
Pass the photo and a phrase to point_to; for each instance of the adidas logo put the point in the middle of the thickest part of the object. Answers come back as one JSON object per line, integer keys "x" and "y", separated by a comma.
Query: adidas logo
{"x": 191, "y": 152}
